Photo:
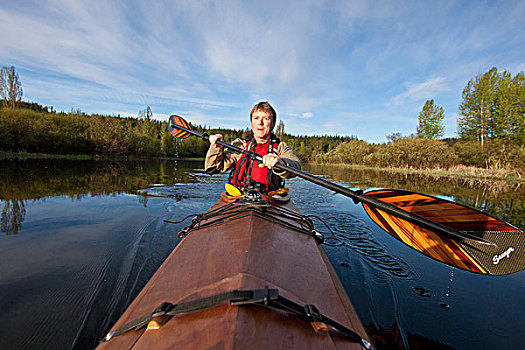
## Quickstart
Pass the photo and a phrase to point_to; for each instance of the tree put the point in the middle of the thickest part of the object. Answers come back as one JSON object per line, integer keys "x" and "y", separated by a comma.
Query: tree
{"x": 393, "y": 137}
{"x": 493, "y": 106}
{"x": 3, "y": 86}
{"x": 476, "y": 106}
{"x": 279, "y": 131}
{"x": 516, "y": 118}
{"x": 10, "y": 87}
{"x": 146, "y": 114}
{"x": 431, "y": 121}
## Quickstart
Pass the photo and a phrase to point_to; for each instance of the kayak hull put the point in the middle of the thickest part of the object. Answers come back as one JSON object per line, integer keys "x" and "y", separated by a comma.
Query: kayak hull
{"x": 248, "y": 252}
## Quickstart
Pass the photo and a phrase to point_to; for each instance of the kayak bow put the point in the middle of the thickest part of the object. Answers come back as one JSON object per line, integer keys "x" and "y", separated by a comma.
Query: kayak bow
{"x": 248, "y": 274}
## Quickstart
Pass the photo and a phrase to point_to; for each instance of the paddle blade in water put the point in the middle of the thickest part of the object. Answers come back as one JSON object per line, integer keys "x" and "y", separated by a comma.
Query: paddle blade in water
{"x": 507, "y": 256}
{"x": 174, "y": 122}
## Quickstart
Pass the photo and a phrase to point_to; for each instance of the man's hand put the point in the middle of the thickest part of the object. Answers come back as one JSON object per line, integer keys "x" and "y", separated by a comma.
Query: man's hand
{"x": 213, "y": 140}
{"x": 269, "y": 160}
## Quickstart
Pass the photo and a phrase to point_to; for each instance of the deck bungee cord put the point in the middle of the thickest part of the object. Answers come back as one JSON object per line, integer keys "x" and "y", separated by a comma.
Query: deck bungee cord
{"x": 253, "y": 204}
{"x": 268, "y": 298}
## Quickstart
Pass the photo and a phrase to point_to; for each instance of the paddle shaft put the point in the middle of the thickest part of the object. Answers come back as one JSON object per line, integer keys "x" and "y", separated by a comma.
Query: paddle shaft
{"x": 357, "y": 196}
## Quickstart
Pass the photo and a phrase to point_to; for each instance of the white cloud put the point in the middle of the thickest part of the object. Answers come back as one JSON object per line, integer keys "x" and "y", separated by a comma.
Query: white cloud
{"x": 304, "y": 115}
{"x": 425, "y": 90}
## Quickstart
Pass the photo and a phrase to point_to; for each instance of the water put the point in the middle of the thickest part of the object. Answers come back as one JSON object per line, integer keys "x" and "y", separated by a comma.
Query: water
{"x": 80, "y": 239}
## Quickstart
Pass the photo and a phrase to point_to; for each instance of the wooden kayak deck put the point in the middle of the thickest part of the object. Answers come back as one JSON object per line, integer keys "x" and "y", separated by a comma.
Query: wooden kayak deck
{"x": 250, "y": 252}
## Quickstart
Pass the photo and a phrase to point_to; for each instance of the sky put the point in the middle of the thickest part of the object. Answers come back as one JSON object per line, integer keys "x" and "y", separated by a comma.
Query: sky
{"x": 355, "y": 68}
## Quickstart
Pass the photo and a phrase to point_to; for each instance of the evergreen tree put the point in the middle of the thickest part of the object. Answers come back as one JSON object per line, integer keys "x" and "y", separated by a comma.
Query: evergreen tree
{"x": 431, "y": 121}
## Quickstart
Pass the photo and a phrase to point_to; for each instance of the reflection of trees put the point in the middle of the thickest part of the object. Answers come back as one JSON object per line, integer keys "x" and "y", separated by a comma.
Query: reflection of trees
{"x": 143, "y": 199}
{"x": 78, "y": 178}
{"x": 12, "y": 216}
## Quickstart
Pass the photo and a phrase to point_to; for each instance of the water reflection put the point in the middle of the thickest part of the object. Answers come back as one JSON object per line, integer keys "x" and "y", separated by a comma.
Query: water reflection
{"x": 13, "y": 215}
{"x": 502, "y": 199}
{"x": 24, "y": 179}
{"x": 34, "y": 179}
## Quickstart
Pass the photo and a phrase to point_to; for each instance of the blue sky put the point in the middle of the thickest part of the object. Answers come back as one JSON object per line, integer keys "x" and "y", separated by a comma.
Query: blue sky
{"x": 362, "y": 68}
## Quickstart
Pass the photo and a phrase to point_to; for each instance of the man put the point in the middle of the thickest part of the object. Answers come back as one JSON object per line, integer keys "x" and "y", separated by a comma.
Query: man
{"x": 249, "y": 174}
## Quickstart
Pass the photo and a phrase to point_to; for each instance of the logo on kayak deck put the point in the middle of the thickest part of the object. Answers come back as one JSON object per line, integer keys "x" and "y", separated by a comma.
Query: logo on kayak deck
{"x": 506, "y": 254}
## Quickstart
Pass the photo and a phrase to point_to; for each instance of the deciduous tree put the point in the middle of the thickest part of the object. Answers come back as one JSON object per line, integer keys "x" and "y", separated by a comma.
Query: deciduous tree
{"x": 10, "y": 87}
{"x": 493, "y": 106}
{"x": 279, "y": 131}
{"x": 476, "y": 106}
{"x": 431, "y": 121}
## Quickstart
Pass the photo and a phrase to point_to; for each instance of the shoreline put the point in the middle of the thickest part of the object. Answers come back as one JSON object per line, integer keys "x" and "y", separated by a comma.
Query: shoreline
{"x": 458, "y": 172}
{"x": 25, "y": 155}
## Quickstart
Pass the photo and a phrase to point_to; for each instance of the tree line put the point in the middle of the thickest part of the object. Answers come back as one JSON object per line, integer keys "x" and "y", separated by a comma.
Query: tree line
{"x": 492, "y": 108}
{"x": 36, "y": 130}
{"x": 491, "y": 127}
{"x": 77, "y": 133}
{"x": 423, "y": 153}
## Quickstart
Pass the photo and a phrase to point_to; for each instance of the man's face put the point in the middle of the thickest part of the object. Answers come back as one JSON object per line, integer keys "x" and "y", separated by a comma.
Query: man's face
{"x": 261, "y": 124}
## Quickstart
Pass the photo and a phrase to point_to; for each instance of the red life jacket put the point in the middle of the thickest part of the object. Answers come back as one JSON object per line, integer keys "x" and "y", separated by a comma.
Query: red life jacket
{"x": 248, "y": 173}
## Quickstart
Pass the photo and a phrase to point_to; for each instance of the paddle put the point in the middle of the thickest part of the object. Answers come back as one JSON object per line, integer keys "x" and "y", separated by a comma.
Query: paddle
{"x": 180, "y": 129}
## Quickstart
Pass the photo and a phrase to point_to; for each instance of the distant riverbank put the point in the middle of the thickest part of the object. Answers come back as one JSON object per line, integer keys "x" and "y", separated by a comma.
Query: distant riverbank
{"x": 26, "y": 155}
{"x": 460, "y": 171}
{"x": 99, "y": 137}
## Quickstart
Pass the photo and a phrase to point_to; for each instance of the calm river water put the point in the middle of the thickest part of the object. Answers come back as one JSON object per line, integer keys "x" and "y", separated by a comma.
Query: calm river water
{"x": 79, "y": 239}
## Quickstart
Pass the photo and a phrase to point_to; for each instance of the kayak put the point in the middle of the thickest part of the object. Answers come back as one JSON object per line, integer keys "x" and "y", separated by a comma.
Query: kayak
{"x": 249, "y": 273}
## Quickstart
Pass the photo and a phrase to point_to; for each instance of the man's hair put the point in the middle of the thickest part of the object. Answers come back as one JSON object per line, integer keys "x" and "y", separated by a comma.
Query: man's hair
{"x": 265, "y": 107}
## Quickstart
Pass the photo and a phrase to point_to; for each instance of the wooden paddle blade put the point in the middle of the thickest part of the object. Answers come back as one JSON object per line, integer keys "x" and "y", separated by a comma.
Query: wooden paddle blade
{"x": 506, "y": 257}
{"x": 175, "y": 121}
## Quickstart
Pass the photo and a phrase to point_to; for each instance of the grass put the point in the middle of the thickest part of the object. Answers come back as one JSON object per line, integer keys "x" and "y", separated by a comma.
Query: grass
{"x": 25, "y": 155}
{"x": 459, "y": 171}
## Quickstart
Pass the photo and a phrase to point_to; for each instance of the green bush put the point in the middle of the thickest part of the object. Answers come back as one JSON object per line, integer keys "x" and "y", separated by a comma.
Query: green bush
{"x": 351, "y": 152}
{"x": 418, "y": 153}
{"x": 403, "y": 152}
{"x": 494, "y": 154}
